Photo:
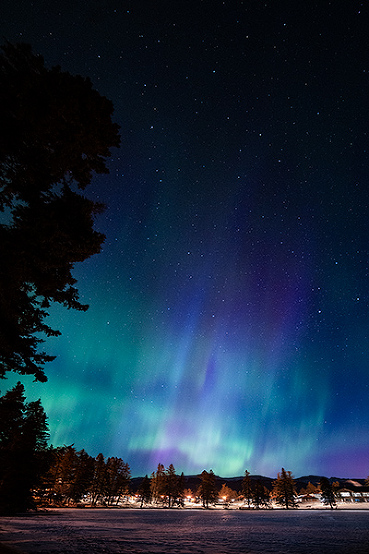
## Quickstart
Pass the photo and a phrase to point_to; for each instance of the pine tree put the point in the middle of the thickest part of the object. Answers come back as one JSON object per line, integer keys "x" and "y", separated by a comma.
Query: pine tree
{"x": 23, "y": 442}
{"x": 227, "y": 494}
{"x": 55, "y": 132}
{"x": 260, "y": 495}
{"x": 12, "y": 406}
{"x": 284, "y": 489}
{"x": 43, "y": 491}
{"x": 98, "y": 487}
{"x": 144, "y": 491}
{"x": 188, "y": 494}
{"x": 171, "y": 484}
{"x": 82, "y": 476}
{"x": 60, "y": 477}
{"x": 158, "y": 484}
{"x": 181, "y": 483}
{"x": 327, "y": 493}
{"x": 247, "y": 488}
{"x": 207, "y": 489}
{"x": 35, "y": 428}
{"x": 311, "y": 489}
{"x": 64, "y": 471}
{"x": 117, "y": 479}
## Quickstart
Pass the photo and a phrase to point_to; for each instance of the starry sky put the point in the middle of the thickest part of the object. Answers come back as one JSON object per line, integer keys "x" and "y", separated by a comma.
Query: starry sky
{"x": 228, "y": 325}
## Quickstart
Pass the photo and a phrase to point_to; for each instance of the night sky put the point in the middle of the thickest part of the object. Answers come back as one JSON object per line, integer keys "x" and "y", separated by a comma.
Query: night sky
{"x": 228, "y": 325}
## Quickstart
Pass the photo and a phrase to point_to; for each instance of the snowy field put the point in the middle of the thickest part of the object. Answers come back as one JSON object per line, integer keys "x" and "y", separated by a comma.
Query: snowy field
{"x": 163, "y": 531}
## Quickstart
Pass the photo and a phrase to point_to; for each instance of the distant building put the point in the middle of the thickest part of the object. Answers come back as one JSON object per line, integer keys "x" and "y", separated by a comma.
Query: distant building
{"x": 353, "y": 492}
{"x": 308, "y": 498}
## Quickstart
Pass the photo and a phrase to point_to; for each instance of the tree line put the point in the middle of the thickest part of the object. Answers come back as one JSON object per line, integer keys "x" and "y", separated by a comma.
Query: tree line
{"x": 33, "y": 474}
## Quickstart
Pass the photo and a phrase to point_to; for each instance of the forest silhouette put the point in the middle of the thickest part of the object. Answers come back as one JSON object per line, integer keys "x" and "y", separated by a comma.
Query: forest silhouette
{"x": 56, "y": 131}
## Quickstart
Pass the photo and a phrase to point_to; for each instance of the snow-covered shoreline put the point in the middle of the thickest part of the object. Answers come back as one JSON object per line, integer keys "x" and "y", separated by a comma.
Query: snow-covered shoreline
{"x": 164, "y": 531}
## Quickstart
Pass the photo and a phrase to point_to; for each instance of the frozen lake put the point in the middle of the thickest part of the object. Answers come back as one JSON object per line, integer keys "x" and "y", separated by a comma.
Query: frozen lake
{"x": 193, "y": 531}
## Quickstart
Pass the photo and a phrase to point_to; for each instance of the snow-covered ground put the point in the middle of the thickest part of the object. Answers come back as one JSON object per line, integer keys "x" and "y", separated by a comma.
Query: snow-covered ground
{"x": 162, "y": 531}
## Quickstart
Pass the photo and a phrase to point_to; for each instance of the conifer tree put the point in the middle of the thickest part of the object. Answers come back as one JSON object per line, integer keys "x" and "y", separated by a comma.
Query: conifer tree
{"x": 99, "y": 481}
{"x": 207, "y": 489}
{"x": 327, "y": 493}
{"x": 247, "y": 488}
{"x": 63, "y": 472}
{"x": 284, "y": 489}
{"x": 117, "y": 479}
{"x": 12, "y": 406}
{"x": 227, "y": 494}
{"x": 171, "y": 484}
{"x": 181, "y": 483}
{"x": 260, "y": 495}
{"x": 144, "y": 491}
{"x": 188, "y": 494}
{"x": 55, "y": 132}
{"x": 83, "y": 473}
{"x": 23, "y": 440}
{"x": 158, "y": 484}
{"x": 311, "y": 489}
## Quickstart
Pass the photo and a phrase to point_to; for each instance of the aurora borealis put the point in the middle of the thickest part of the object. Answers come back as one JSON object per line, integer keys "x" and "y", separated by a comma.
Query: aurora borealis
{"x": 228, "y": 325}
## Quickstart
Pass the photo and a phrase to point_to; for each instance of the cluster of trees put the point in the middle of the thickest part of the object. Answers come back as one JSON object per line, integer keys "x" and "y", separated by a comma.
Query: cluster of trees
{"x": 164, "y": 487}
{"x": 255, "y": 492}
{"x": 284, "y": 491}
{"x": 34, "y": 474}
{"x": 207, "y": 490}
{"x": 73, "y": 476}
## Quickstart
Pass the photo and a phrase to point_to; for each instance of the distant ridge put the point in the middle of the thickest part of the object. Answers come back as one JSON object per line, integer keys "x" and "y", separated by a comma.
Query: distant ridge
{"x": 235, "y": 483}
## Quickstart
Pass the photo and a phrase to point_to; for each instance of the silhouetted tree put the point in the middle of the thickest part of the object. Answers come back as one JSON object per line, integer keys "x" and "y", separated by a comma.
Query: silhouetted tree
{"x": 74, "y": 475}
{"x": 12, "y": 406}
{"x": 23, "y": 440}
{"x": 171, "y": 484}
{"x": 43, "y": 491}
{"x": 284, "y": 489}
{"x": 158, "y": 484}
{"x": 227, "y": 494}
{"x": 247, "y": 488}
{"x": 181, "y": 483}
{"x": 310, "y": 489}
{"x": 62, "y": 474}
{"x": 99, "y": 481}
{"x": 327, "y": 492}
{"x": 117, "y": 479}
{"x": 260, "y": 495}
{"x": 188, "y": 493}
{"x": 83, "y": 476}
{"x": 144, "y": 490}
{"x": 207, "y": 489}
{"x": 55, "y": 132}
